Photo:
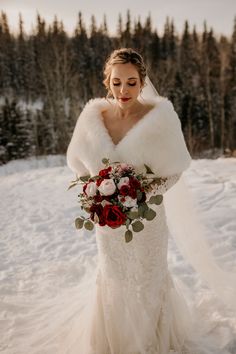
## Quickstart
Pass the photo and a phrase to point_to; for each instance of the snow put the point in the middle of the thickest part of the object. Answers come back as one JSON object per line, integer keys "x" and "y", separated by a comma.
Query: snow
{"x": 42, "y": 255}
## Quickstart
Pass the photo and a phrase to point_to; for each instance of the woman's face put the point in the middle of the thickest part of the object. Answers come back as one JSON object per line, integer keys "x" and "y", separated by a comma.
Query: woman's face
{"x": 125, "y": 84}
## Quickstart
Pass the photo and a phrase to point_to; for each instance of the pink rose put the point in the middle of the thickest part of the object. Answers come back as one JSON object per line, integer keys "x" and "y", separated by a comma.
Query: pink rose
{"x": 91, "y": 189}
{"x": 107, "y": 187}
{"x": 123, "y": 181}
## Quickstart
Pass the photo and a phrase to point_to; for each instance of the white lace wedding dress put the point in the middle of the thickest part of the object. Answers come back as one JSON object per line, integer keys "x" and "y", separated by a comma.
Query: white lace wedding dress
{"x": 135, "y": 307}
{"x": 128, "y": 302}
{"x": 132, "y": 304}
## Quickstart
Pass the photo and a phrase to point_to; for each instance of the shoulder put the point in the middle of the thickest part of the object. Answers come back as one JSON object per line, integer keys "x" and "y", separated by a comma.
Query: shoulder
{"x": 95, "y": 104}
{"x": 90, "y": 111}
{"x": 165, "y": 104}
{"x": 164, "y": 112}
{"x": 160, "y": 104}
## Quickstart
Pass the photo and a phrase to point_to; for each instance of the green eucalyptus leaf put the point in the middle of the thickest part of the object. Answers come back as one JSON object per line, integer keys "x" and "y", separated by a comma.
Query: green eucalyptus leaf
{"x": 133, "y": 214}
{"x": 137, "y": 226}
{"x": 88, "y": 225}
{"x": 139, "y": 195}
{"x": 84, "y": 178}
{"x": 141, "y": 211}
{"x": 128, "y": 236}
{"x": 148, "y": 169}
{"x": 150, "y": 214}
{"x": 142, "y": 208}
{"x": 127, "y": 223}
{"x": 73, "y": 184}
{"x": 105, "y": 161}
{"x": 156, "y": 199}
{"x": 79, "y": 223}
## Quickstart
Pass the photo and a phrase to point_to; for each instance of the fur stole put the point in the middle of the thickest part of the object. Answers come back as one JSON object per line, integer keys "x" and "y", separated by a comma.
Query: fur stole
{"x": 156, "y": 140}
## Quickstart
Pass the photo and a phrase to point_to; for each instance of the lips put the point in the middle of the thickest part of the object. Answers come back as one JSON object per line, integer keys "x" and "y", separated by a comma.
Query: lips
{"x": 124, "y": 99}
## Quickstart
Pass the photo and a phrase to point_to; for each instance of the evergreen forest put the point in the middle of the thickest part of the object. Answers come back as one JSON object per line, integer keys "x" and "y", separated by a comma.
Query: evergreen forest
{"x": 47, "y": 76}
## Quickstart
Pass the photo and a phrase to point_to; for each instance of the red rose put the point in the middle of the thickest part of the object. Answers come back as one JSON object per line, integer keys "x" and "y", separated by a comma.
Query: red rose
{"x": 99, "y": 181}
{"x": 98, "y": 209}
{"x": 97, "y": 198}
{"x": 105, "y": 172}
{"x": 134, "y": 182}
{"x": 124, "y": 190}
{"x": 102, "y": 221}
{"x": 133, "y": 193}
{"x": 113, "y": 216}
{"x": 84, "y": 188}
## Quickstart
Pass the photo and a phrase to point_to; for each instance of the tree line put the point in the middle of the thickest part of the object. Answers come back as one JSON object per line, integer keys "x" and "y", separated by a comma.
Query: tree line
{"x": 47, "y": 76}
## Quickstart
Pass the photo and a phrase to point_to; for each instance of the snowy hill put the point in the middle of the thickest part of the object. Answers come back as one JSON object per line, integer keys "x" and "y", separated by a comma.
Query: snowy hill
{"x": 43, "y": 255}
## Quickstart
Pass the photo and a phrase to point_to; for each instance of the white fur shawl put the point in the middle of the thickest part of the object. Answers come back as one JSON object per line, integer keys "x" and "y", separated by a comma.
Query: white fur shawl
{"x": 156, "y": 140}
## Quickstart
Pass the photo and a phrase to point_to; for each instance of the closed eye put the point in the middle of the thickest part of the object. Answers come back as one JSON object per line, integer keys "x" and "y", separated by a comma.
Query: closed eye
{"x": 128, "y": 84}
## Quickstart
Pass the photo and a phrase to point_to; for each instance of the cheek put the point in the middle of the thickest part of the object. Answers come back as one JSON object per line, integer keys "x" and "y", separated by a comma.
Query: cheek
{"x": 135, "y": 90}
{"x": 114, "y": 90}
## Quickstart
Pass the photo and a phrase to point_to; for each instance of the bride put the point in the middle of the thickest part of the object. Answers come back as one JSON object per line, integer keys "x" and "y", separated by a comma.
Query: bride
{"x": 136, "y": 305}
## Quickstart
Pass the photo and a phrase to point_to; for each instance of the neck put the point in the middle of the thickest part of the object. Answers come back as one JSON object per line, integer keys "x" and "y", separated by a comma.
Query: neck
{"x": 128, "y": 112}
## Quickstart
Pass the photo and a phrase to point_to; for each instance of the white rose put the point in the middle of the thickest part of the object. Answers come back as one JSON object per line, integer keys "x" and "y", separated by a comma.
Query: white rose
{"x": 123, "y": 181}
{"x": 91, "y": 189}
{"x": 107, "y": 187}
{"x": 129, "y": 202}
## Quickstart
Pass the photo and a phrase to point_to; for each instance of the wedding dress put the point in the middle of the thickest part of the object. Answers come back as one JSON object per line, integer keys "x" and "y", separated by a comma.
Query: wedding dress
{"x": 136, "y": 306}
{"x": 129, "y": 302}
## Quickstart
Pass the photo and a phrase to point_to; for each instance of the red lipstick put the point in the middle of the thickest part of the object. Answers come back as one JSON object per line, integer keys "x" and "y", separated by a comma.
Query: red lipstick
{"x": 124, "y": 99}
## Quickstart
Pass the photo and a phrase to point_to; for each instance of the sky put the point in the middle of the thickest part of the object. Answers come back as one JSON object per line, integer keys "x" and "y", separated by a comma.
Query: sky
{"x": 218, "y": 14}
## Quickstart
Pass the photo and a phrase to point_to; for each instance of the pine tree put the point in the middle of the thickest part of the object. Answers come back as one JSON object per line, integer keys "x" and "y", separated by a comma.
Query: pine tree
{"x": 126, "y": 35}
{"x": 190, "y": 77}
{"x": 7, "y": 61}
{"x": 230, "y": 92}
{"x": 211, "y": 78}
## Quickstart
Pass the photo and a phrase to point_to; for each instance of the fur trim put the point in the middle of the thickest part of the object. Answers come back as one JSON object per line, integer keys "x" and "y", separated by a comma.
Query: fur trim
{"x": 156, "y": 140}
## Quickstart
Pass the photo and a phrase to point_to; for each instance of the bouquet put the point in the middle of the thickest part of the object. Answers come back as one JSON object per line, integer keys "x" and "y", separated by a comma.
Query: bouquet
{"x": 117, "y": 196}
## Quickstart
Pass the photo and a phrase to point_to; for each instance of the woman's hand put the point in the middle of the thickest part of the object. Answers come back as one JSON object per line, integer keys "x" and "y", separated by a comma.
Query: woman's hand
{"x": 155, "y": 183}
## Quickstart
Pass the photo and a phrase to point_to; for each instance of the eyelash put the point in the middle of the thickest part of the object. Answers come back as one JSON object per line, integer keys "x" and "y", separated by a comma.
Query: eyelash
{"x": 128, "y": 84}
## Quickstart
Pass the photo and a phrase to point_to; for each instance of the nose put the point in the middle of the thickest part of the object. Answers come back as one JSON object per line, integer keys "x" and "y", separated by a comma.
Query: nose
{"x": 123, "y": 88}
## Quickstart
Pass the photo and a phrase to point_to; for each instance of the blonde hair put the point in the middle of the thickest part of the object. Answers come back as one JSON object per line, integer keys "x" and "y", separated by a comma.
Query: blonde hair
{"x": 123, "y": 56}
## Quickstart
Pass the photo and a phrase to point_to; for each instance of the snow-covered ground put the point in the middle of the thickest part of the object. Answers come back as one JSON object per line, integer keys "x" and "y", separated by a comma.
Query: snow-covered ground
{"x": 43, "y": 255}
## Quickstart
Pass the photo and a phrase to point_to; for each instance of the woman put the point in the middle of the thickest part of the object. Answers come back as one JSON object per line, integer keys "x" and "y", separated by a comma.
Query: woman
{"x": 135, "y": 307}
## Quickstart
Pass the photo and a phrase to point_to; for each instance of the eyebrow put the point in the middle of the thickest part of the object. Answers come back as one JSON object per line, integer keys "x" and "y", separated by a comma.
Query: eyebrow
{"x": 116, "y": 78}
